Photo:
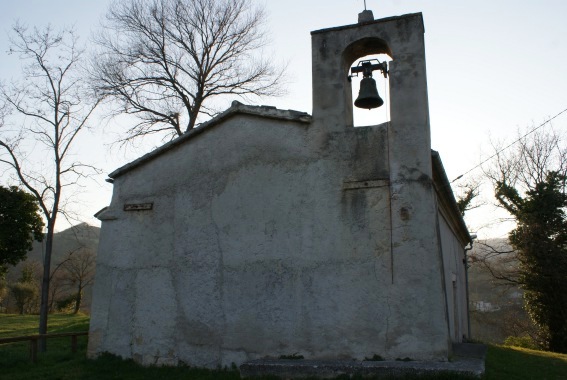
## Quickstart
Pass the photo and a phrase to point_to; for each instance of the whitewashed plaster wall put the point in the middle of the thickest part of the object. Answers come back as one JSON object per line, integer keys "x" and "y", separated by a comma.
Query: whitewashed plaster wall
{"x": 254, "y": 246}
{"x": 455, "y": 280}
{"x": 270, "y": 236}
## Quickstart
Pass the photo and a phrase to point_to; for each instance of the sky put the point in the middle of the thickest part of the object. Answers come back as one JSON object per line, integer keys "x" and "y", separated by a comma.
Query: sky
{"x": 493, "y": 68}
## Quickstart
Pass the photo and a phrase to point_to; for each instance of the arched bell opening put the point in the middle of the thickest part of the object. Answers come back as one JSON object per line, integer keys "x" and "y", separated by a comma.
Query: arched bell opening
{"x": 364, "y": 89}
{"x": 369, "y": 89}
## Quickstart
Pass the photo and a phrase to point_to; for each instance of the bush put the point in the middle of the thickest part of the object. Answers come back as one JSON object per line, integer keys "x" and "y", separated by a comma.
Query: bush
{"x": 67, "y": 304}
{"x": 25, "y": 294}
{"x": 521, "y": 341}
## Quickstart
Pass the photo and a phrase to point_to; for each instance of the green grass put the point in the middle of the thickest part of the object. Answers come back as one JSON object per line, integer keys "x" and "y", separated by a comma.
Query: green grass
{"x": 514, "y": 363}
{"x": 59, "y": 363}
{"x": 14, "y": 357}
{"x": 17, "y": 325}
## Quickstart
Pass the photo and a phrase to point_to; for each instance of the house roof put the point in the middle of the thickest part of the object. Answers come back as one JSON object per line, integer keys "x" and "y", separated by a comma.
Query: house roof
{"x": 236, "y": 108}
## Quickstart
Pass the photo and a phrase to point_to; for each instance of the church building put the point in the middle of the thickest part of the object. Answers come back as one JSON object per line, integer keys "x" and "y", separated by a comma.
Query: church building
{"x": 266, "y": 233}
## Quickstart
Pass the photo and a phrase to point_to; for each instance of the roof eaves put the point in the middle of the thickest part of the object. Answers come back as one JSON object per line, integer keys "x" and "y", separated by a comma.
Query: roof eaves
{"x": 445, "y": 190}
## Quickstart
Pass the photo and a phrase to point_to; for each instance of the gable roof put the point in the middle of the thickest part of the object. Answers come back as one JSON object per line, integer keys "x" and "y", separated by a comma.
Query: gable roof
{"x": 237, "y": 108}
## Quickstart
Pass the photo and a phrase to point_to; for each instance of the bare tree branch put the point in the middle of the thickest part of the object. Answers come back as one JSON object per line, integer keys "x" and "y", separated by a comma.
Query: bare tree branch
{"x": 530, "y": 162}
{"x": 499, "y": 259}
{"x": 164, "y": 60}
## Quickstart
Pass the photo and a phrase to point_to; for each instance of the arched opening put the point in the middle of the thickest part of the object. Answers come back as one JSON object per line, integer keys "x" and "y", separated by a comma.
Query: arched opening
{"x": 375, "y": 116}
{"x": 375, "y": 50}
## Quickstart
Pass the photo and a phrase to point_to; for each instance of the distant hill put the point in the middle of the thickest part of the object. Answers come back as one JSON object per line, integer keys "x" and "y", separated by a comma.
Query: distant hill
{"x": 80, "y": 236}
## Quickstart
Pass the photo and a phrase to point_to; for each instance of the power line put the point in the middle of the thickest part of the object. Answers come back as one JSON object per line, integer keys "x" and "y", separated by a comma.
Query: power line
{"x": 509, "y": 145}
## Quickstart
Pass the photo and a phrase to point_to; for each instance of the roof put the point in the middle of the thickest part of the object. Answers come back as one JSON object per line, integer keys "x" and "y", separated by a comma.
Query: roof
{"x": 236, "y": 108}
{"x": 447, "y": 198}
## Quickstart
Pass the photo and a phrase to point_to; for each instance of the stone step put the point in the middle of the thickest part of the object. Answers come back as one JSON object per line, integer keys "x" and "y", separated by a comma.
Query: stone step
{"x": 468, "y": 359}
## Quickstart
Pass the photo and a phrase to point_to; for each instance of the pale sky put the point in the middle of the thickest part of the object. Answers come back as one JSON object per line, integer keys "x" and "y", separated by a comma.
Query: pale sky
{"x": 493, "y": 66}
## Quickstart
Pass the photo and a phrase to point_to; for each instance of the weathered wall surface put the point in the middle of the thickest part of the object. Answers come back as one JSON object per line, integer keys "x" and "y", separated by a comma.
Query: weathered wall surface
{"x": 270, "y": 237}
{"x": 416, "y": 252}
{"x": 255, "y": 246}
{"x": 455, "y": 280}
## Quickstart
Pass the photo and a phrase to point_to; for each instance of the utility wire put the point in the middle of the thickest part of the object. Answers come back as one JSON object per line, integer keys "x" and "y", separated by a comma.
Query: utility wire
{"x": 509, "y": 145}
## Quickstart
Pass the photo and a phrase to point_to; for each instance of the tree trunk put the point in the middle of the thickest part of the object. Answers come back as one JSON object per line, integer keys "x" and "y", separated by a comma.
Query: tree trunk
{"x": 44, "y": 306}
{"x": 78, "y": 301}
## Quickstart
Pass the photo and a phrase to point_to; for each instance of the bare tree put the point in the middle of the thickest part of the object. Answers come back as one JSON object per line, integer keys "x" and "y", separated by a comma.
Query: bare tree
{"x": 521, "y": 165}
{"x": 57, "y": 279}
{"x": 499, "y": 258}
{"x": 56, "y": 289}
{"x": 163, "y": 61}
{"x": 79, "y": 273}
{"x": 51, "y": 108}
{"x": 528, "y": 161}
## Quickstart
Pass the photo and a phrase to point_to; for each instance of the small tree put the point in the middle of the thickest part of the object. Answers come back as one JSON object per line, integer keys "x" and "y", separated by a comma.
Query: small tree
{"x": 25, "y": 291}
{"x": 24, "y": 294}
{"x": 163, "y": 61}
{"x": 53, "y": 107}
{"x": 79, "y": 273}
{"x": 56, "y": 286}
{"x": 3, "y": 289}
{"x": 20, "y": 224}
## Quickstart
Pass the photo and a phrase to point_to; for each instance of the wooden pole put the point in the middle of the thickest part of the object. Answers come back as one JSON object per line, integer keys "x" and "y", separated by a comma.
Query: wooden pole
{"x": 33, "y": 350}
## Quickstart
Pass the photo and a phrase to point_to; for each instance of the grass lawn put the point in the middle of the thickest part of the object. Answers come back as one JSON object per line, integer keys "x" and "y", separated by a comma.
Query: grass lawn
{"x": 503, "y": 363}
{"x": 513, "y": 363}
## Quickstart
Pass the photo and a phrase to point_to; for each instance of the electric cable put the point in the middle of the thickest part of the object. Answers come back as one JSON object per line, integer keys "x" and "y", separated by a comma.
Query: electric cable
{"x": 509, "y": 145}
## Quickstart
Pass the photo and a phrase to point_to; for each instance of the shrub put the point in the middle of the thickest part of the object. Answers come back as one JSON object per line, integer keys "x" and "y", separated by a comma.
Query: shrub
{"x": 521, "y": 341}
{"x": 24, "y": 294}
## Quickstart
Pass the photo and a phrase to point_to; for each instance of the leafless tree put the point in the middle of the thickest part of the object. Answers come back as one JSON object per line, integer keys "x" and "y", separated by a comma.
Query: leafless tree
{"x": 499, "y": 259}
{"x": 50, "y": 109}
{"x": 79, "y": 273}
{"x": 57, "y": 279}
{"x": 56, "y": 289}
{"x": 164, "y": 61}
{"x": 529, "y": 160}
{"x": 521, "y": 166}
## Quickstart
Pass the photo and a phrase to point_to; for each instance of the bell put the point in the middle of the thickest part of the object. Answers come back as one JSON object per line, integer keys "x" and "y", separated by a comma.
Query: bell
{"x": 368, "y": 95}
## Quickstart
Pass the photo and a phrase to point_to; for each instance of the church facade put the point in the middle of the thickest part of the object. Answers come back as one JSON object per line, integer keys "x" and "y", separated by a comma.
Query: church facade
{"x": 268, "y": 232}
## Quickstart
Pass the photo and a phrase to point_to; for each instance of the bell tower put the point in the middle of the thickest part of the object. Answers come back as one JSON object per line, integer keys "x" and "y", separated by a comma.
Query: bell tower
{"x": 334, "y": 51}
{"x": 415, "y": 248}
